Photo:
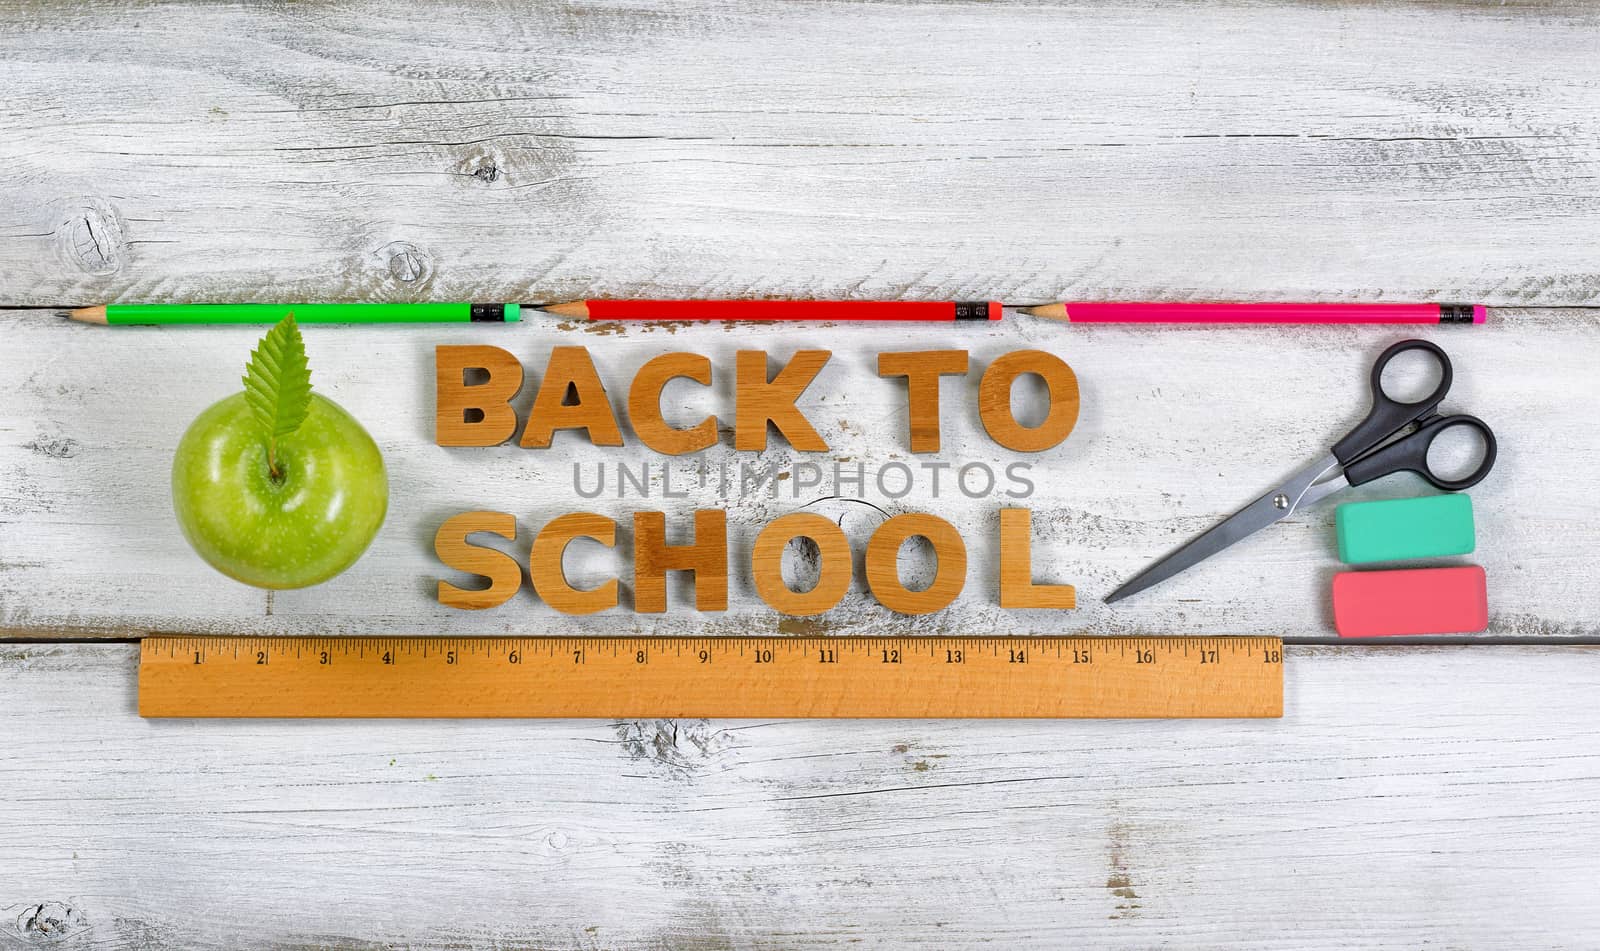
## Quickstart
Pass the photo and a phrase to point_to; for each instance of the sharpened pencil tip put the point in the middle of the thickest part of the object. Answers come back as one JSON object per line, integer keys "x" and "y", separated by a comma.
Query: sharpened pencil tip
{"x": 88, "y": 315}
{"x": 1048, "y": 311}
{"x": 571, "y": 308}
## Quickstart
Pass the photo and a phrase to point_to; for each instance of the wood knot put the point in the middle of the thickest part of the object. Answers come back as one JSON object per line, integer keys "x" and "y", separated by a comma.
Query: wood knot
{"x": 54, "y": 447}
{"x": 407, "y": 263}
{"x": 483, "y": 164}
{"x": 89, "y": 237}
{"x": 683, "y": 746}
{"x": 51, "y": 920}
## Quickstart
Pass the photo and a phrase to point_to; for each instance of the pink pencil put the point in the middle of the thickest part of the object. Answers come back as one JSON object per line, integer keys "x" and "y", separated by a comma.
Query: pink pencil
{"x": 1213, "y": 313}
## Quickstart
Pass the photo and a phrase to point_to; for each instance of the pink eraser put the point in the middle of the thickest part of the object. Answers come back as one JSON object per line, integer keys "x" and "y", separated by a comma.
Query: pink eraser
{"x": 1480, "y": 313}
{"x": 1411, "y": 601}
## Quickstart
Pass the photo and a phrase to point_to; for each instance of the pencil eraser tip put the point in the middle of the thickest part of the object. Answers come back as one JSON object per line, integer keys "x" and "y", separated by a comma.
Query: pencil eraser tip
{"x": 996, "y": 310}
{"x": 1480, "y": 313}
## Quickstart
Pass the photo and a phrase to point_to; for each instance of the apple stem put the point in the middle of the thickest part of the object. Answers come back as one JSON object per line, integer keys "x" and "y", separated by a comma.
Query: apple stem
{"x": 272, "y": 461}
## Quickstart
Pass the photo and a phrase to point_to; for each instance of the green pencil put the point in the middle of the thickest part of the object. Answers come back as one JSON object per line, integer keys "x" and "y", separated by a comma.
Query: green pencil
{"x": 364, "y": 313}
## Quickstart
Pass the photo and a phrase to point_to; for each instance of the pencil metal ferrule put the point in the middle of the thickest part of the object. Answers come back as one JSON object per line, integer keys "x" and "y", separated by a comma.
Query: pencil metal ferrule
{"x": 972, "y": 310}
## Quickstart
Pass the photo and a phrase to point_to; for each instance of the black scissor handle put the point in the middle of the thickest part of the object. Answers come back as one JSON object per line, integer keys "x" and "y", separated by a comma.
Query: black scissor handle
{"x": 1409, "y": 453}
{"x": 1388, "y": 415}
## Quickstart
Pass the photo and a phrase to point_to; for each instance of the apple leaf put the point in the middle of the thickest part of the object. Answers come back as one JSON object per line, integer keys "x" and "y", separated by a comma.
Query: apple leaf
{"x": 277, "y": 384}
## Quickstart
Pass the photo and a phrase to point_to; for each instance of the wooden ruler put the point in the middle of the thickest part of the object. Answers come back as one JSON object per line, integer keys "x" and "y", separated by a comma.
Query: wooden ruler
{"x": 711, "y": 677}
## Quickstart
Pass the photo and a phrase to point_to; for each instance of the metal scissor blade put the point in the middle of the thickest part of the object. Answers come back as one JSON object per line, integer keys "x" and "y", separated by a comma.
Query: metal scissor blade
{"x": 1276, "y": 504}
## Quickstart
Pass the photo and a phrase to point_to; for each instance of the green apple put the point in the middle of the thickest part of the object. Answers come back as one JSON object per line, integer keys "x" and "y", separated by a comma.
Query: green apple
{"x": 285, "y": 510}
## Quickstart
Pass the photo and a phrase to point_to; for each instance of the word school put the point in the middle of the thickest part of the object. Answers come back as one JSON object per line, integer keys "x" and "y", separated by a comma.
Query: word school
{"x": 706, "y": 560}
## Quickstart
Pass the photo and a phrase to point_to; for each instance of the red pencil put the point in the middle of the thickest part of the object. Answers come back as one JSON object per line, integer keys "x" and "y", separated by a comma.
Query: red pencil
{"x": 1115, "y": 312}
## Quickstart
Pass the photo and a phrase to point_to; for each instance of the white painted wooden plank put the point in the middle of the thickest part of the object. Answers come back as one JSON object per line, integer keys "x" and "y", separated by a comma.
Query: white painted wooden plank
{"x": 927, "y": 150}
{"x": 1178, "y": 428}
{"x": 1409, "y": 798}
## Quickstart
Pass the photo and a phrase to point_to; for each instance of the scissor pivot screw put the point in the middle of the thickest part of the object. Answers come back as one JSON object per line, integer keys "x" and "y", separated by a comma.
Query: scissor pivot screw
{"x": 1280, "y": 501}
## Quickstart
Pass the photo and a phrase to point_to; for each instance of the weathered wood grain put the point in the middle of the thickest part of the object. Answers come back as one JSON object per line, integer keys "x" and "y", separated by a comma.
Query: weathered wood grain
{"x": 1377, "y": 814}
{"x": 1177, "y": 428}
{"x": 925, "y": 150}
{"x": 435, "y": 149}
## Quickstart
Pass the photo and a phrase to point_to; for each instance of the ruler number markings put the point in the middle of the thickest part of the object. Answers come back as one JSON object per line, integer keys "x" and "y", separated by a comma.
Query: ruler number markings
{"x": 387, "y": 651}
{"x": 803, "y": 676}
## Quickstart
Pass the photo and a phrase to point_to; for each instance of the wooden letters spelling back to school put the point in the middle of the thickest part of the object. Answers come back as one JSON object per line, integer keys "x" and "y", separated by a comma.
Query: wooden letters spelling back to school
{"x": 572, "y": 396}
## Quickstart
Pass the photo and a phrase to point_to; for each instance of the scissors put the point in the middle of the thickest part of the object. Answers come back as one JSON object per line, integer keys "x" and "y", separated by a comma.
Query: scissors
{"x": 1365, "y": 454}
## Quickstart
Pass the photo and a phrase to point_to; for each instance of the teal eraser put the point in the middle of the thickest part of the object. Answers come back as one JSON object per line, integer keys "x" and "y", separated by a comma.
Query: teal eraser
{"x": 1428, "y": 527}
